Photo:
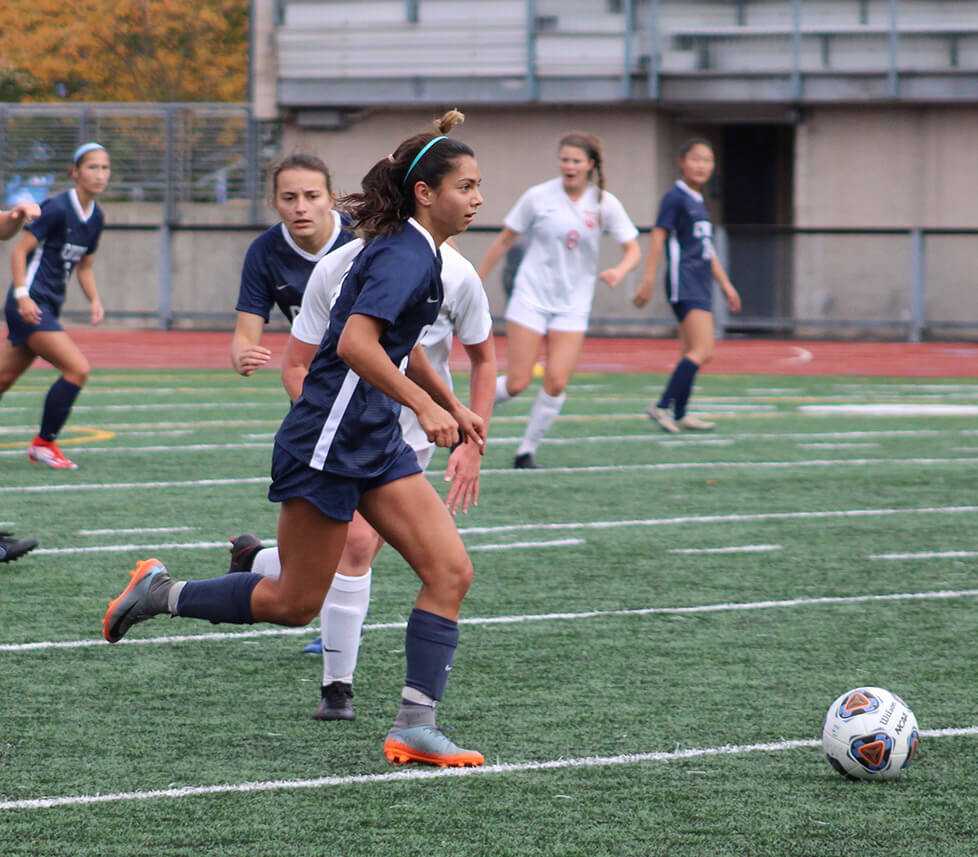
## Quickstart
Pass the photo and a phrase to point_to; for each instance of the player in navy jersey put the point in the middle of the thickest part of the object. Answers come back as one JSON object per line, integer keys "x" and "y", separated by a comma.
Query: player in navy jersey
{"x": 63, "y": 239}
{"x": 340, "y": 448}
{"x": 280, "y": 260}
{"x": 683, "y": 232}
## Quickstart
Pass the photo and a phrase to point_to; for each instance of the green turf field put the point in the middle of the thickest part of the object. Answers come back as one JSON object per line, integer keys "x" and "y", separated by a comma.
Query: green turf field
{"x": 811, "y": 507}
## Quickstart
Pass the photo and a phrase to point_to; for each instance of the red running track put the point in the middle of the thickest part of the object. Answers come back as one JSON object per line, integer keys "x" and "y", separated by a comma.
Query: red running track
{"x": 107, "y": 348}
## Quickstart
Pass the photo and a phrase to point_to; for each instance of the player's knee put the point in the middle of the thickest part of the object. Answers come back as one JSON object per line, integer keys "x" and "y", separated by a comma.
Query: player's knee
{"x": 78, "y": 375}
{"x": 7, "y": 379}
{"x": 299, "y": 613}
{"x": 458, "y": 576}
{"x": 554, "y": 385}
{"x": 516, "y": 383}
{"x": 358, "y": 554}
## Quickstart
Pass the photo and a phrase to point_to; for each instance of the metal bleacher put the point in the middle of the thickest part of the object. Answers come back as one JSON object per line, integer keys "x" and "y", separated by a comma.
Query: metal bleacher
{"x": 337, "y": 53}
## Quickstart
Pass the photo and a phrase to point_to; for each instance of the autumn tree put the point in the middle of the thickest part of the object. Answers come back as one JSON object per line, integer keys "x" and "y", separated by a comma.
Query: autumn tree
{"x": 123, "y": 50}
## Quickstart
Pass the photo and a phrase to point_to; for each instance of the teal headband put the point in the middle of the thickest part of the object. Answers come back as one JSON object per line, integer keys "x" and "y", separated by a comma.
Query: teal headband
{"x": 84, "y": 149}
{"x": 420, "y": 155}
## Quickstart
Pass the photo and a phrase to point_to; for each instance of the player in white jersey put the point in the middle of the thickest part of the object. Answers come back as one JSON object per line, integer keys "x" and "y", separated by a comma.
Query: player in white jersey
{"x": 464, "y": 313}
{"x": 561, "y": 221}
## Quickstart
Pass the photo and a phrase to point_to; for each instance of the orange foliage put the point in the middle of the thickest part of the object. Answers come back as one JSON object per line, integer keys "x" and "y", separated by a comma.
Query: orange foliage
{"x": 124, "y": 50}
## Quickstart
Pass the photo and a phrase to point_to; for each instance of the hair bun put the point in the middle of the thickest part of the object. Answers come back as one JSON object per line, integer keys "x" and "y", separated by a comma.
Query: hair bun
{"x": 449, "y": 120}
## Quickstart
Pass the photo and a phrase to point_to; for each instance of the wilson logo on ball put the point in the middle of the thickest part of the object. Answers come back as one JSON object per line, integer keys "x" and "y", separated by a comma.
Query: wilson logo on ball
{"x": 858, "y": 702}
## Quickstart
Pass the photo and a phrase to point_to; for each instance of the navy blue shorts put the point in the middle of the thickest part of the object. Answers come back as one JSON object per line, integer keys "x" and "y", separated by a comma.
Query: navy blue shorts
{"x": 19, "y": 330}
{"x": 337, "y": 497}
{"x": 681, "y": 308}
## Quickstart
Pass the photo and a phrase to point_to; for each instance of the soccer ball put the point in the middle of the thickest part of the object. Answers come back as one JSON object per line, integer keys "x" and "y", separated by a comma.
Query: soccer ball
{"x": 870, "y": 734}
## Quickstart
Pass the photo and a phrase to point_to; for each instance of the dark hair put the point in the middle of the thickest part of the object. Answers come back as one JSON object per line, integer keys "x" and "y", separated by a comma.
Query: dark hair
{"x": 387, "y": 196}
{"x": 299, "y": 161}
{"x": 592, "y": 146}
{"x": 687, "y": 147}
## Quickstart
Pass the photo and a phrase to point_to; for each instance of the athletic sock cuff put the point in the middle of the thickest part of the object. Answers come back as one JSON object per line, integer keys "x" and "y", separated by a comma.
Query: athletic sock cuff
{"x": 349, "y": 583}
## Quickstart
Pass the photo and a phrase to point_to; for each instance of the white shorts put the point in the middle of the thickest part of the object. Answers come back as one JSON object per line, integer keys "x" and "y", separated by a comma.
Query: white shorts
{"x": 524, "y": 313}
{"x": 425, "y": 455}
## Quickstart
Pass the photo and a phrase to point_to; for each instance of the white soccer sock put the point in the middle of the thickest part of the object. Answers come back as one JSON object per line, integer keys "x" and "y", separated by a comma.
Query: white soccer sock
{"x": 267, "y": 563}
{"x": 502, "y": 394}
{"x": 341, "y": 621}
{"x": 544, "y": 412}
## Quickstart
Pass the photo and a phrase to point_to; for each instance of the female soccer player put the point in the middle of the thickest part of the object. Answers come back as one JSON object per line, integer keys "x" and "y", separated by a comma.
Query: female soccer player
{"x": 562, "y": 220}
{"x": 464, "y": 312}
{"x": 280, "y": 260}
{"x": 340, "y": 449}
{"x": 63, "y": 238}
{"x": 693, "y": 265}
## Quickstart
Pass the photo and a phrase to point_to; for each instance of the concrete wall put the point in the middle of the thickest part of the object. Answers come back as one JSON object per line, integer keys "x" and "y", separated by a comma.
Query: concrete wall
{"x": 886, "y": 167}
{"x": 866, "y": 167}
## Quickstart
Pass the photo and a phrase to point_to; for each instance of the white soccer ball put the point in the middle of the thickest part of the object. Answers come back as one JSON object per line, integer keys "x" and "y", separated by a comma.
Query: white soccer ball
{"x": 870, "y": 734}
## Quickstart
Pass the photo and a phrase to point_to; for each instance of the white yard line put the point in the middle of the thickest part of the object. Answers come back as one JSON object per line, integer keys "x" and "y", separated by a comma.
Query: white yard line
{"x": 721, "y": 519}
{"x": 725, "y": 607}
{"x": 731, "y": 465}
{"x": 831, "y": 445}
{"x": 731, "y": 549}
{"x": 927, "y": 555}
{"x": 136, "y": 531}
{"x": 414, "y": 774}
{"x": 891, "y": 410}
{"x": 544, "y": 472}
{"x": 508, "y": 546}
{"x": 155, "y": 450}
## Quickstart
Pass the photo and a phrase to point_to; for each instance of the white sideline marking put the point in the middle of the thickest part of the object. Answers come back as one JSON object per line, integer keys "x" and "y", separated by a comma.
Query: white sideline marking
{"x": 731, "y": 549}
{"x": 170, "y": 433}
{"x": 801, "y": 355}
{"x": 156, "y": 426}
{"x": 182, "y": 447}
{"x": 729, "y": 465}
{"x": 773, "y": 391}
{"x": 509, "y": 471}
{"x": 269, "y": 543}
{"x": 889, "y": 410}
{"x": 179, "y": 406}
{"x": 136, "y": 530}
{"x": 830, "y": 445}
{"x": 445, "y": 773}
{"x": 721, "y": 519}
{"x": 727, "y": 607}
{"x": 507, "y": 546}
{"x": 927, "y": 555}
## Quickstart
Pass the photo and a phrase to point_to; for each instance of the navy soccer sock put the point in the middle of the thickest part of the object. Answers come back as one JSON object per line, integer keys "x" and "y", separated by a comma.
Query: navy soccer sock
{"x": 57, "y": 406}
{"x": 429, "y": 644}
{"x": 679, "y": 387}
{"x": 221, "y": 599}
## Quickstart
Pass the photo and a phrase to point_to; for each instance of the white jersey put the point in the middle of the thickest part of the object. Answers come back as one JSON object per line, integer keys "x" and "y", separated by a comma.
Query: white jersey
{"x": 559, "y": 270}
{"x": 464, "y": 311}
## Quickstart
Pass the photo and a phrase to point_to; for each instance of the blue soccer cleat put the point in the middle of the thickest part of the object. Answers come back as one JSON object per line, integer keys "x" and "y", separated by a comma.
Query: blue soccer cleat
{"x": 314, "y": 646}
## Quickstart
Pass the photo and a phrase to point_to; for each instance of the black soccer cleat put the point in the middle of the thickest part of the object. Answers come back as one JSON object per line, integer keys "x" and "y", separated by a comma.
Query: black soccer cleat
{"x": 13, "y": 549}
{"x": 336, "y": 702}
{"x": 525, "y": 462}
{"x": 243, "y": 550}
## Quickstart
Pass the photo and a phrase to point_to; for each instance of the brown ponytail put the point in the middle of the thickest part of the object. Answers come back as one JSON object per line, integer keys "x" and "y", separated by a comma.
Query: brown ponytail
{"x": 387, "y": 196}
{"x": 593, "y": 147}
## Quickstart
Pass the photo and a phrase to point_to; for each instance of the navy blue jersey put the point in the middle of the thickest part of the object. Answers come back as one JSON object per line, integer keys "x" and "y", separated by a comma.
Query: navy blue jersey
{"x": 65, "y": 235}
{"x": 340, "y": 423}
{"x": 689, "y": 248}
{"x": 276, "y": 269}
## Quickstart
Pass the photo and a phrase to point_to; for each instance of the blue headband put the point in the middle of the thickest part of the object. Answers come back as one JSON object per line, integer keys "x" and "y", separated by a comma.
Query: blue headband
{"x": 420, "y": 155}
{"x": 84, "y": 149}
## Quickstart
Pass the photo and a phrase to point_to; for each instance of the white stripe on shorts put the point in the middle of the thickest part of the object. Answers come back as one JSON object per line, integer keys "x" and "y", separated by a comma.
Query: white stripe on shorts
{"x": 333, "y": 420}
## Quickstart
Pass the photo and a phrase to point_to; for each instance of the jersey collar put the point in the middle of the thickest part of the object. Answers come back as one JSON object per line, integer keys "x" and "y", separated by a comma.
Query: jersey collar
{"x": 687, "y": 189}
{"x": 83, "y": 215}
{"x": 425, "y": 233}
{"x": 315, "y": 257}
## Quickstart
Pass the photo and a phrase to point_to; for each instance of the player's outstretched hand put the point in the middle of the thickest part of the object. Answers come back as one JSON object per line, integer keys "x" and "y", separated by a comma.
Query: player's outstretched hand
{"x": 733, "y": 298}
{"x": 463, "y": 472}
{"x": 28, "y": 310}
{"x": 98, "y": 311}
{"x": 252, "y": 359}
{"x": 438, "y": 425}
